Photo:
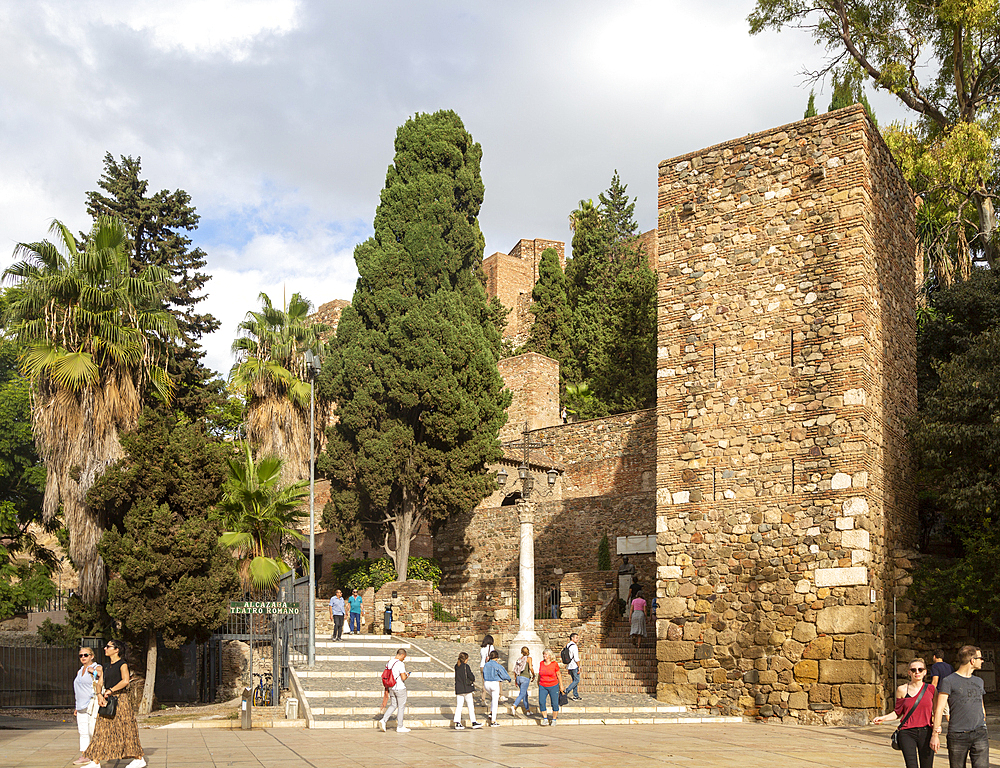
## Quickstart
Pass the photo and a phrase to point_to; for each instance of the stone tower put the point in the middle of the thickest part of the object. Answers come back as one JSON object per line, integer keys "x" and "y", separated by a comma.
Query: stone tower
{"x": 785, "y": 375}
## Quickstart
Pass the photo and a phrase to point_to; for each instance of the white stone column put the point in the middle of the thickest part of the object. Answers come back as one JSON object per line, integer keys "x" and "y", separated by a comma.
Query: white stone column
{"x": 526, "y": 635}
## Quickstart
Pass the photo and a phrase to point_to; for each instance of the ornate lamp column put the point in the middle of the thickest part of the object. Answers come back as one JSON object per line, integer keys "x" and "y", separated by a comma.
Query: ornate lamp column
{"x": 526, "y": 635}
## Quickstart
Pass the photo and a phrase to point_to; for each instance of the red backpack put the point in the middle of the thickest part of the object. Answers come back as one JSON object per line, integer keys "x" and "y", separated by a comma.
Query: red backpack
{"x": 388, "y": 679}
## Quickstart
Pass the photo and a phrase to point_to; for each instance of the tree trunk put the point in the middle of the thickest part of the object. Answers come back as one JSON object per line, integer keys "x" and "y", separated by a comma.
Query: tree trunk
{"x": 146, "y": 705}
{"x": 944, "y": 270}
{"x": 405, "y": 527}
{"x": 987, "y": 229}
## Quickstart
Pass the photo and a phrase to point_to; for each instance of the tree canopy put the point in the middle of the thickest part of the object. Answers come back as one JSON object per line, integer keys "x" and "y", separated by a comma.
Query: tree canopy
{"x": 552, "y": 331}
{"x": 420, "y": 401}
{"x": 170, "y": 574}
{"x": 942, "y": 60}
{"x": 94, "y": 337}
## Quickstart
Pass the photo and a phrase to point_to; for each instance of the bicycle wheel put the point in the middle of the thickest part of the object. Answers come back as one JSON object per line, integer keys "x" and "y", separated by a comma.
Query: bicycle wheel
{"x": 258, "y": 697}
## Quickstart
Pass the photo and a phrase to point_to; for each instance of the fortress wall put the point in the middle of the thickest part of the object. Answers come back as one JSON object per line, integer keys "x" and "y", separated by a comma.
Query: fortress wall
{"x": 785, "y": 374}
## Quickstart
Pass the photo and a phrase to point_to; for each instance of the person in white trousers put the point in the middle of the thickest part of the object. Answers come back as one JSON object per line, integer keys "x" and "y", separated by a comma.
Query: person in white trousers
{"x": 465, "y": 686}
{"x": 83, "y": 690}
{"x": 397, "y": 694}
{"x": 493, "y": 674}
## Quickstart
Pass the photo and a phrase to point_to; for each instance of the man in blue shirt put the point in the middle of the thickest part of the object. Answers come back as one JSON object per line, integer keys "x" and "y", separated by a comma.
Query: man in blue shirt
{"x": 356, "y": 611}
{"x": 337, "y": 614}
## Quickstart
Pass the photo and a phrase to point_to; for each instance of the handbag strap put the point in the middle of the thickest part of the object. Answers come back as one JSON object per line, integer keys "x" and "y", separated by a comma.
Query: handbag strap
{"x": 914, "y": 707}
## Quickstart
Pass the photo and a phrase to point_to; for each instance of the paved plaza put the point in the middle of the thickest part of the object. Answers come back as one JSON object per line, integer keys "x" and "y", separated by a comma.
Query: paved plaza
{"x": 745, "y": 745}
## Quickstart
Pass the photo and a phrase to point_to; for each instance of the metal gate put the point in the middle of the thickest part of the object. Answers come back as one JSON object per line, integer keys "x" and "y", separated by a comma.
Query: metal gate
{"x": 287, "y": 636}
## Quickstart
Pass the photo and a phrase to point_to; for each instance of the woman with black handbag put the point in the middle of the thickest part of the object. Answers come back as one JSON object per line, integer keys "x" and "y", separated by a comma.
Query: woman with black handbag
{"x": 116, "y": 736}
{"x": 915, "y": 712}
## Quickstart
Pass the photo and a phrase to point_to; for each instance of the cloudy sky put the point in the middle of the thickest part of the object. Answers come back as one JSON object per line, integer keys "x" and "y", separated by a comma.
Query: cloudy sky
{"x": 278, "y": 116}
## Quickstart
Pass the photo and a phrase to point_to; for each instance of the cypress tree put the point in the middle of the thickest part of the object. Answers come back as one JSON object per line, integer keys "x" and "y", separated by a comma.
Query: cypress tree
{"x": 811, "y": 110}
{"x": 552, "y": 331}
{"x": 413, "y": 369}
{"x": 156, "y": 225}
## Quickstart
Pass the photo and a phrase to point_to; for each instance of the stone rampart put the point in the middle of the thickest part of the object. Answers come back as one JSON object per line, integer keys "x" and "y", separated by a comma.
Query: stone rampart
{"x": 785, "y": 374}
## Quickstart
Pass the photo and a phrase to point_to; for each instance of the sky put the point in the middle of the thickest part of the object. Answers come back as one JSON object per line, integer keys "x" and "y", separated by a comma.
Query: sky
{"x": 278, "y": 116}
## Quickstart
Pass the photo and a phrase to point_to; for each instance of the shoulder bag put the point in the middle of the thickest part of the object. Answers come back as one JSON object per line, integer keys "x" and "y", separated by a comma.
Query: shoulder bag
{"x": 109, "y": 708}
{"x": 894, "y": 739}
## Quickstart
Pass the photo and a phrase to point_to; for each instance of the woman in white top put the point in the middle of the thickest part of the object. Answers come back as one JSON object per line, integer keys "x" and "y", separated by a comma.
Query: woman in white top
{"x": 484, "y": 655}
{"x": 83, "y": 689}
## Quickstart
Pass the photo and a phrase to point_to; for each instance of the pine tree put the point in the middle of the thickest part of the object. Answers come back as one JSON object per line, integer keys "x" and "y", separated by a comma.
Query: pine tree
{"x": 413, "y": 371}
{"x": 552, "y": 331}
{"x": 170, "y": 575}
{"x": 811, "y": 110}
{"x": 156, "y": 226}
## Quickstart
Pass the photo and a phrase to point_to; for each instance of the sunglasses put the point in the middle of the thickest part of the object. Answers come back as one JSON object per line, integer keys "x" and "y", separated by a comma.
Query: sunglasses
{"x": 917, "y": 669}
{"x": 85, "y": 655}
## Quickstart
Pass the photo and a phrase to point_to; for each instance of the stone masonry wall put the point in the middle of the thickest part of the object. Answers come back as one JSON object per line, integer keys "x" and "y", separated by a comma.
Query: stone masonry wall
{"x": 607, "y": 486}
{"x": 785, "y": 374}
{"x": 511, "y": 277}
{"x": 533, "y": 380}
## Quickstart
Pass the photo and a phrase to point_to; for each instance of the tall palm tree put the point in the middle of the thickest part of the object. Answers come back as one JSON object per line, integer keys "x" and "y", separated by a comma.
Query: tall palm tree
{"x": 94, "y": 338}
{"x": 272, "y": 374}
{"x": 259, "y": 515}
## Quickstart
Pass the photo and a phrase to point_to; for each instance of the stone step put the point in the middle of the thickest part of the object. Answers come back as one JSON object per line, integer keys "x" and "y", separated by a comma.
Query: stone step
{"x": 354, "y": 721}
{"x": 448, "y": 710}
{"x": 345, "y": 643}
{"x": 320, "y": 673}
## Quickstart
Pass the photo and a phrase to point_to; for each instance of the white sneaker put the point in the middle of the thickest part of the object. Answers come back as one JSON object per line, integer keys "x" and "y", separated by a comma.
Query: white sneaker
{"x": 553, "y": 721}
{"x": 402, "y": 730}
{"x": 92, "y": 764}
{"x": 476, "y": 725}
{"x": 459, "y": 727}
{"x": 139, "y": 762}
{"x": 381, "y": 725}
{"x": 544, "y": 721}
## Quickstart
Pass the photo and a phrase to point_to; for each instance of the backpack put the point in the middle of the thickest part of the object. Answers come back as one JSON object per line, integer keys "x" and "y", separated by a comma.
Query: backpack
{"x": 565, "y": 655}
{"x": 388, "y": 679}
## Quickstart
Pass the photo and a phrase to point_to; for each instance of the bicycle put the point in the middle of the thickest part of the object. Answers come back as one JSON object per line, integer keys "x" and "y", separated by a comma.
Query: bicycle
{"x": 262, "y": 696}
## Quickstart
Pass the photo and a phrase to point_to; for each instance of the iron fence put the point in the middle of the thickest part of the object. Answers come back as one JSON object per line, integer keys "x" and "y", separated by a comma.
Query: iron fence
{"x": 37, "y": 676}
{"x": 547, "y": 597}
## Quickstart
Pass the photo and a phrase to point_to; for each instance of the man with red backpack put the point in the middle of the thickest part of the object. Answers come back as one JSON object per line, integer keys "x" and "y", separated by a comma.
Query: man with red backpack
{"x": 393, "y": 680}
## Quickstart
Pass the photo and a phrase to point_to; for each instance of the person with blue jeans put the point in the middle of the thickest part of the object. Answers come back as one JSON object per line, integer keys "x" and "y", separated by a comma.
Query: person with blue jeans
{"x": 354, "y": 622}
{"x": 963, "y": 693}
{"x": 493, "y": 674}
{"x": 574, "y": 666}
{"x": 548, "y": 686}
{"x": 524, "y": 673}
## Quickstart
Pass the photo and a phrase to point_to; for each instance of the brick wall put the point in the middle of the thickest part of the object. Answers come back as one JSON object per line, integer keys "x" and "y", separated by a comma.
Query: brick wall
{"x": 511, "y": 277}
{"x": 533, "y": 380}
{"x": 785, "y": 374}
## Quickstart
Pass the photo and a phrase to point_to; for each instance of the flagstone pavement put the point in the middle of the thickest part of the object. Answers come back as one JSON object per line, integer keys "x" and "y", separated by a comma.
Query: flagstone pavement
{"x": 708, "y": 745}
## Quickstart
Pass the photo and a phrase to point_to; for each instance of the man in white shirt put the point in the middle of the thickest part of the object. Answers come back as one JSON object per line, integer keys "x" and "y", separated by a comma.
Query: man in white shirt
{"x": 574, "y": 666}
{"x": 397, "y": 694}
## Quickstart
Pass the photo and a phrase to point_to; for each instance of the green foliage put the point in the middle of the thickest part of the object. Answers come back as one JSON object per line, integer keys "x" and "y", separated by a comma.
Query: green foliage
{"x": 170, "y": 572}
{"x": 157, "y": 225}
{"x": 942, "y": 60}
{"x": 413, "y": 372}
{"x": 848, "y": 91}
{"x": 811, "y": 110}
{"x": 956, "y": 437}
{"x": 260, "y": 514}
{"x": 25, "y": 565}
{"x": 612, "y": 294}
{"x": 604, "y": 554}
{"x": 361, "y": 574}
{"x": 57, "y": 634}
{"x": 552, "y": 331}
{"x": 440, "y": 614}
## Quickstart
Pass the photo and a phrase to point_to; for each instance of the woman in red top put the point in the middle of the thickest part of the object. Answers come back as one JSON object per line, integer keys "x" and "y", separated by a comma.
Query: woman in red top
{"x": 915, "y": 735}
{"x": 548, "y": 685}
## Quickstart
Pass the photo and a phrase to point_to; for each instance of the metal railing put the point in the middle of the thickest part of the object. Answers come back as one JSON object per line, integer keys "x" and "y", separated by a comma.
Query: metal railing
{"x": 547, "y": 597}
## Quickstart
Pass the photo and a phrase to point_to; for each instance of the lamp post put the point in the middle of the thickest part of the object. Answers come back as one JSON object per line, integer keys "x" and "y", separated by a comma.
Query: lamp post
{"x": 526, "y": 634}
{"x": 312, "y": 367}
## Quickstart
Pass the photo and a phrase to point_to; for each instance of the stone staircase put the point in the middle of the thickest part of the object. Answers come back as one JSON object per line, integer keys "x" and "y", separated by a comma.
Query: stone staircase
{"x": 619, "y": 667}
{"x": 344, "y": 690}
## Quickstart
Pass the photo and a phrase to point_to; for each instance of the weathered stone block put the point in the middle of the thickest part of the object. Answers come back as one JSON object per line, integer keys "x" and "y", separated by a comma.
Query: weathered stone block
{"x": 767, "y": 677}
{"x": 804, "y": 632}
{"x": 841, "y": 577}
{"x": 846, "y": 671}
{"x": 667, "y": 650}
{"x": 806, "y": 671}
{"x": 859, "y": 646}
{"x": 671, "y": 606}
{"x": 820, "y": 648}
{"x": 858, "y": 696}
{"x": 856, "y": 539}
{"x": 677, "y": 694}
{"x": 798, "y": 700}
{"x": 819, "y": 694}
{"x": 844, "y": 619}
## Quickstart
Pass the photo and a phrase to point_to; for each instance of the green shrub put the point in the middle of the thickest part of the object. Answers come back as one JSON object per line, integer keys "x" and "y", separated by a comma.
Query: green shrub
{"x": 604, "y": 555}
{"x": 360, "y": 574}
{"x": 58, "y": 634}
{"x": 440, "y": 614}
